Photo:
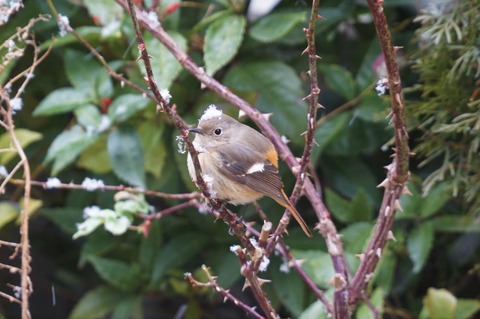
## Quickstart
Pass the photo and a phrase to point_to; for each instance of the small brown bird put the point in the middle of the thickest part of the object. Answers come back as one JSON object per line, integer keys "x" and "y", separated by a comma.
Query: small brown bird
{"x": 239, "y": 164}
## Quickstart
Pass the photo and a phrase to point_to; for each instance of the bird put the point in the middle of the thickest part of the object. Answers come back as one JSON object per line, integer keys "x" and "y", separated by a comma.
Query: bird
{"x": 239, "y": 164}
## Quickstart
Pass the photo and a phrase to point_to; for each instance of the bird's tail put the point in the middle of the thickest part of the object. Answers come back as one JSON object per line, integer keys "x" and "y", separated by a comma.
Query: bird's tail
{"x": 285, "y": 202}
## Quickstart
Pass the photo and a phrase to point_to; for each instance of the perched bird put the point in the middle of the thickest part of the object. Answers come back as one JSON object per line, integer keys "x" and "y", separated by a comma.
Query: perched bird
{"x": 239, "y": 164}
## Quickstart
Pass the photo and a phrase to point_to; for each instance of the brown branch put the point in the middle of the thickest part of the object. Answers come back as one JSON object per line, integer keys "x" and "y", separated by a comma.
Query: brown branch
{"x": 398, "y": 174}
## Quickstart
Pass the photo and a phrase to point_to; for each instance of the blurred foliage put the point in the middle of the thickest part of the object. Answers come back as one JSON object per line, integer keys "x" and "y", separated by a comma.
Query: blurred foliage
{"x": 77, "y": 122}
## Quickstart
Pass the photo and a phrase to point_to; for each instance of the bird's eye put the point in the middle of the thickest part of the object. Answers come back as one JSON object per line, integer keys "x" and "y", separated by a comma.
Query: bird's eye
{"x": 218, "y": 131}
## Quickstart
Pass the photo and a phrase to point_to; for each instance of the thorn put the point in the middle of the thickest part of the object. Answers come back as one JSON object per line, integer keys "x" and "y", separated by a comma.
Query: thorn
{"x": 241, "y": 114}
{"x": 320, "y": 106}
{"x": 263, "y": 281}
{"x": 385, "y": 183}
{"x": 318, "y": 57}
{"x": 397, "y": 205}
{"x": 304, "y": 51}
{"x": 379, "y": 252}
{"x": 390, "y": 236}
{"x": 307, "y": 97}
{"x": 368, "y": 277}
{"x": 246, "y": 285}
{"x": 360, "y": 256}
{"x": 267, "y": 116}
{"x": 406, "y": 191}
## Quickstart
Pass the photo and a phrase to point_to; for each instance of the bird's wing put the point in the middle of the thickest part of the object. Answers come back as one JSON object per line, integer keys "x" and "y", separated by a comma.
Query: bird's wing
{"x": 248, "y": 167}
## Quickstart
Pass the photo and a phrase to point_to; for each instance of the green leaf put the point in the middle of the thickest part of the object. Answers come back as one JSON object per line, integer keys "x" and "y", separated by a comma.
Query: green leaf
{"x": 97, "y": 303}
{"x": 317, "y": 265}
{"x": 176, "y": 252}
{"x": 104, "y": 10}
{"x": 126, "y": 154}
{"x": 420, "y": 242}
{"x": 125, "y": 106}
{"x": 8, "y": 213}
{"x": 327, "y": 132}
{"x": 62, "y": 101}
{"x": 165, "y": 67}
{"x": 386, "y": 270}
{"x": 88, "y": 116}
{"x": 86, "y": 74}
{"x": 411, "y": 204}
{"x": 440, "y": 304}
{"x": 289, "y": 288}
{"x": 155, "y": 150}
{"x": 339, "y": 80}
{"x": 315, "y": 311}
{"x": 96, "y": 244}
{"x": 371, "y": 108}
{"x": 65, "y": 218}
{"x": 358, "y": 209}
{"x": 364, "y": 312}
{"x": 222, "y": 41}
{"x": 129, "y": 308}
{"x": 355, "y": 236}
{"x": 436, "y": 199}
{"x": 24, "y": 136}
{"x": 457, "y": 224}
{"x": 365, "y": 75}
{"x": 150, "y": 246}
{"x": 95, "y": 158}
{"x": 277, "y": 25}
{"x": 466, "y": 308}
{"x": 279, "y": 92}
{"x": 118, "y": 274}
{"x": 67, "y": 146}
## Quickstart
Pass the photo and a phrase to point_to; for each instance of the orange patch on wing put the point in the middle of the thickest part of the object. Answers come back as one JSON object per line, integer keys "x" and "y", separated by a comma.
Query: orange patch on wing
{"x": 272, "y": 157}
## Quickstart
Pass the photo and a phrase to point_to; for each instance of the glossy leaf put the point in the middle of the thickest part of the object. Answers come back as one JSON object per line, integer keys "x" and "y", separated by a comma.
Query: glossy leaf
{"x": 62, "y": 101}
{"x": 440, "y": 304}
{"x": 317, "y": 265}
{"x": 457, "y": 224}
{"x": 467, "y": 308}
{"x": 8, "y": 213}
{"x": 279, "y": 91}
{"x": 419, "y": 243}
{"x": 154, "y": 147}
{"x": 126, "y": 155}
{"x": 104, "y": 11}
{"x": 118, "y": 274}
{"x": 357, "y": 209}
{"x": 339, "y": 80}
{"x": 164, "y": 66}
{"x": 355, "y": 236}
{"x": 125, "y": 106}
{"x": 435, "y": 200}
{"x": 276, "y": 25}
{"x": 364, "y": 312}
{"x": 88, "y": 116}
{"x": 87, "y": 74}
{"x": 315, "y": 311}
{"x": 67, "y": 146}
{"x": 97, "y": 303}
{"x": 290, "y": 290}
{"x": 327, "y": 132}
{"x": 175, "y": 252}
{"x": 24, "y": 136}
{"x": 95, "y": 158}
{"x": 222, "y": 41}
{"x": 64, "y": 218}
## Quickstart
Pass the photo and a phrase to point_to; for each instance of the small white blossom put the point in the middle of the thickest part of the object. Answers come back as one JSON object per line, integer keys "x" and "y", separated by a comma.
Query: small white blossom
{"x": 165, "y": 93}
{"x": 3, "y": 171}
{"x": 63, "y": 22}
{"x": 152, "y": 18}
{"x": 210, "y": 113}
{"x": 11, "y": 45}
{"x": 285, "y": 139}
{"x": 264, "y": 264}
{"x": 382, "y": 86}
{"x": 91, "y": 184}
{"x": 284, "y": 267}
{"x": 53, "y": 182}
{"x": 234, "y": 248}
{"x": 182, "y": 149}
{"x": 16, "y": 104}
{"x": 253, "y": 241}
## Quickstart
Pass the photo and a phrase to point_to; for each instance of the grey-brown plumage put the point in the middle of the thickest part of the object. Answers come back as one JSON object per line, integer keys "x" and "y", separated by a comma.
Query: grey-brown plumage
{"x": 238, "y": 163}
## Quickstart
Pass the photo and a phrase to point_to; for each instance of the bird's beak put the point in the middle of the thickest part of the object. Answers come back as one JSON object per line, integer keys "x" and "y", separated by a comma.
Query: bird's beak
{"x": 195, "y": 130}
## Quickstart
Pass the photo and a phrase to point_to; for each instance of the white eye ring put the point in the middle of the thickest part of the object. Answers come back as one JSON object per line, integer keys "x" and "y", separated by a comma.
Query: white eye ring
{"x": 218, "y": 131}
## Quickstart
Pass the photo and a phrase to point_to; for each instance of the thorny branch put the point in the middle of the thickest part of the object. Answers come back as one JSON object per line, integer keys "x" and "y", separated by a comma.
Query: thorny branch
{"x": 398, "y": 174}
